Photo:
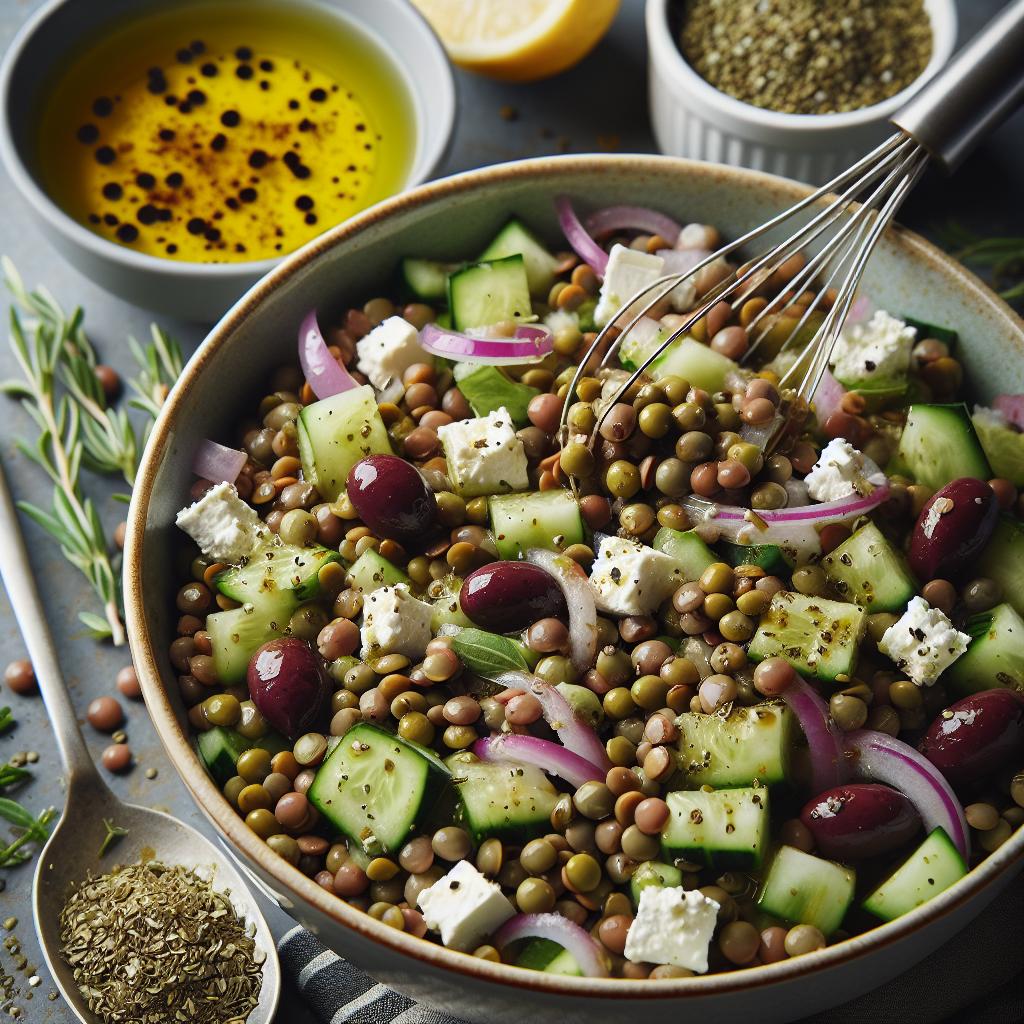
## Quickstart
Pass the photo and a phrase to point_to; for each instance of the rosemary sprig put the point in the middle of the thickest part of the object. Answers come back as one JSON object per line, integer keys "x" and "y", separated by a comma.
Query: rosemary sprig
{"x": 114, "y": 833}
{"x": 79, "y": 428}
{"x": 1002, "y": 257}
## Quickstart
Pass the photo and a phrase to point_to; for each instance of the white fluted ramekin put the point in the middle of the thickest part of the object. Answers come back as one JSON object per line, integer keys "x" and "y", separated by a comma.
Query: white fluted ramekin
{"x": 694, "y": 119}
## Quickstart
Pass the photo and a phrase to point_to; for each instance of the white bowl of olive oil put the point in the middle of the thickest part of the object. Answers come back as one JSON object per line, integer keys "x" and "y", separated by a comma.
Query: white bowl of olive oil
{"x": 174, "y": 151}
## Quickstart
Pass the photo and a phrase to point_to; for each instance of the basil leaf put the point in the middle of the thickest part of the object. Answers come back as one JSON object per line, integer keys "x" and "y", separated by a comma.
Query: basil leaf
{"x": 488, "y": 654}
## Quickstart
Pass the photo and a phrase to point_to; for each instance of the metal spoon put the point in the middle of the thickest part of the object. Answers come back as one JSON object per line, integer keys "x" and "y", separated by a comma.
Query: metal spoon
{"x": 72, "y": 852}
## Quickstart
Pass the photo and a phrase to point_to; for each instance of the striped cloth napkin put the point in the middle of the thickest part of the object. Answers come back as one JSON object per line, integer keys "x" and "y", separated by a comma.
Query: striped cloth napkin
{"x": 976, "y": 978}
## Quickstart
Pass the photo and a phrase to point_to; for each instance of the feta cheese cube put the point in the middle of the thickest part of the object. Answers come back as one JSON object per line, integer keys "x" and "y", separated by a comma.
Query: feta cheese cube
{"x": 627, "y": 272}
{"x": 878, "y": 350}
{"x": 388, "y": 351}
{"x": 395, "y": 622}
{"x": 464, "y": 906}
{"x": 923, "y": 642}
{"x": 226, "y": 528}
{"x": 841, "y": 470}
{"x": 672, "y": 926}
{"x": 632, "y": 579}
{"x": 484, "y": 455}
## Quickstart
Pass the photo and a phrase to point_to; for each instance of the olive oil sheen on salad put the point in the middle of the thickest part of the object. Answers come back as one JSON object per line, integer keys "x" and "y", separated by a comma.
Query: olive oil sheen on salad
{"x": 225, "y": 132}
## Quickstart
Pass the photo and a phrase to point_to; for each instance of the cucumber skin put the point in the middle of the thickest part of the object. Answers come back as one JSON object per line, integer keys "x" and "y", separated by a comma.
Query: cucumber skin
{"x": 473, "y": 306}
{"x": 652, "y": 872}
{"x": 517, "y": 239}
{"x": 687, "y": 549}
{"x": 768, "y": 556}
{"x": 231, "y": 582}
{"x": 684, "y": 803}
{"x": 1003, "y": 560}
{"x": 501, "y": 820}
{"x": 371, "y": 571}
{"x": 891, "y": 900}
{"x": 236, "y": 634}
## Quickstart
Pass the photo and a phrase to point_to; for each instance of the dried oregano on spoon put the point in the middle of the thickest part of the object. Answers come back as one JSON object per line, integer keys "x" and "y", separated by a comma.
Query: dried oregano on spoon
{"x": 148, "y": 944}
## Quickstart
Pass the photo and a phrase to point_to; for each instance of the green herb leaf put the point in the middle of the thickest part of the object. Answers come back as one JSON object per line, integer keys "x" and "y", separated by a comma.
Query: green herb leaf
{"x": 12, "y": 811}
{"x": 114, "y": 832}
{"x": 6, "y": 721}
{"x": 488, "y": 654}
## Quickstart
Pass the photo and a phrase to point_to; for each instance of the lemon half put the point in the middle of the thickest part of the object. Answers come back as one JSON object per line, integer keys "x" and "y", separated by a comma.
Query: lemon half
{"x": 518, "y": 40}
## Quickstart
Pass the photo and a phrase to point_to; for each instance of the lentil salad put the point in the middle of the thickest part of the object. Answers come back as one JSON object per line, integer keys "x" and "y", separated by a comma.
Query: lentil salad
{"x": 645, "y": 725}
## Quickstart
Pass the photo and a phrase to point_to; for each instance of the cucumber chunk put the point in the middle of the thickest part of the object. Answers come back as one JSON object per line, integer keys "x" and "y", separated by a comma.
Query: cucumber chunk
{"x": 487, "y": 390}
{"x": 539, "y": 519}
{"x": 335, "y": 433}
{"x": 516, "y": 239}
{"x": 489, "y": 293}
{"x": 869, "y": 571}
{"x": 512, "y": 802}
{"x": 940, "y": 444}
{"x": 933, "y": 867}
{"x": 804, "y": 889}
{"x": 235, "y": 634}
{"x": 816, "y": 636}
{"x": 1003, "y": 445}
{"x": 277, "y": 566}
{"x": 427, "y": 279}
{"x": 653, "y": 872}
{"x": 1003, "y": 560}
{"x": 219, "y": 749}
{"x": 376, "y": 788}
{"x": 686, "y": 549}
{"x": 694, "y": 362}
{"x": 995, "y": 655}
{"x": 371, "y": 571}
{"x": 723, "y": 828}
{"x": 768, "y": 556}
{"x": 548, "y": 956}
{"x": 750, "y": 745}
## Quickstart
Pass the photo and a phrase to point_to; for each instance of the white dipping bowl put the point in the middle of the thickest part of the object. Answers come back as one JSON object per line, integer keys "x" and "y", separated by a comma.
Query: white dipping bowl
{"x": 197, "y": 291}
{"x": 692, "y": 118}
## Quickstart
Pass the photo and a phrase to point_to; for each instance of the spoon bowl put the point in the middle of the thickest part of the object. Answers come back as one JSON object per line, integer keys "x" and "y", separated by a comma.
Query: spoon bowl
{"x": 73, "y": 852}
{"x": 72, "y": 855}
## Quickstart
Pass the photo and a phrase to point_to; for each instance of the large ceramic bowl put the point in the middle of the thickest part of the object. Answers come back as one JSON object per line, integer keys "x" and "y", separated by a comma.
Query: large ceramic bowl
{"x": 447, "y": 219}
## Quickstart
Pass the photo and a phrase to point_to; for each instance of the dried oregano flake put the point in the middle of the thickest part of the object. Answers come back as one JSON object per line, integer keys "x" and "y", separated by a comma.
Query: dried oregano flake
{"x": 148, "y": 944}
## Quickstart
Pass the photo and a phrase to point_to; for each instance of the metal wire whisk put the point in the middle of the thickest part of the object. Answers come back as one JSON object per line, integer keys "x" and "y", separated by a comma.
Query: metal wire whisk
{"x": 848, "y": 216}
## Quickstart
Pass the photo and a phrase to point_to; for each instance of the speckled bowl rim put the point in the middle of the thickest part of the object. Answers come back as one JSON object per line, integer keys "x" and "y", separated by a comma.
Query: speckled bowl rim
{"x": 303, "y": 890}
{"x": 427, "y": 157}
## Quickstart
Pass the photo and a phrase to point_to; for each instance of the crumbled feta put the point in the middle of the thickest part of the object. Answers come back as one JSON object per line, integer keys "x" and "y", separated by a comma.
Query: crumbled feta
{"x": 955, "y": 719}
{"x": 464, "y": 906}
{"x": 878, "y": 350}
{"x": 841, "y": 470}
{"x": 627, "y": 272}
{"x": 632, "y": 579}
{"x": 923, "y": 642}
{"x": 395, "y": 622}
{"x": 226, "y": 528}
{"x": 672, "y": 926}
{"x": 388, "y": 351}
{"x": 484, "y": 455}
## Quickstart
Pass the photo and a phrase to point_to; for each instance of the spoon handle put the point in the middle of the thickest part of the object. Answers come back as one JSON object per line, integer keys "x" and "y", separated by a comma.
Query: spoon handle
{"x": 19, "y": 582}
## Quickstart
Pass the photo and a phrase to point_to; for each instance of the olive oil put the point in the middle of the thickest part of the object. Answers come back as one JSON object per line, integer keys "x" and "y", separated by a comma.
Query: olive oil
{"x": 225, "y": 132}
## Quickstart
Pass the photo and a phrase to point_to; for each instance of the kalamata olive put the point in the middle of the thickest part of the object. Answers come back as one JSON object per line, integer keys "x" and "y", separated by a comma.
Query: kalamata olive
{"x": 506, "y": 597}
{"x": 861, "y": 820}
{"x": 392, "y": 498}
{"x": 954, "y": 525}
{"x": 288, "y": 685}
{"x": 976, "y": 736}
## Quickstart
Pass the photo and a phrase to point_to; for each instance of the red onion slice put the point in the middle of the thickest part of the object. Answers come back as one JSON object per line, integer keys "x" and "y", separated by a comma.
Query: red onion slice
{"x": 828, "y": 761}
{"x": 632, "y": 218}
{"x": 571, "y": 937}
{"x": 510, "y": 748}
{"x": 860, "y": 310}
{"x": 576, "y": 235}
{"x": 828, "y": 396}
{"x": 576, "y": 734}
{"x": 326, "y": 376}
{"x": 579, "y": 598}
{"x": 531, "y": 343}
{"x": 1012, "y": 407}
{"x": 216, "y": 463}
{"x": 882, "y": 758}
